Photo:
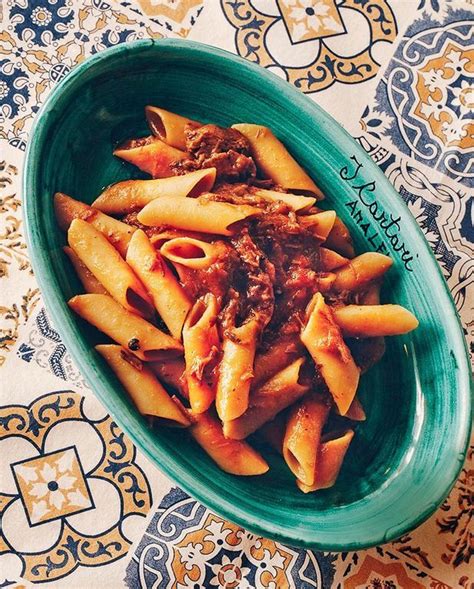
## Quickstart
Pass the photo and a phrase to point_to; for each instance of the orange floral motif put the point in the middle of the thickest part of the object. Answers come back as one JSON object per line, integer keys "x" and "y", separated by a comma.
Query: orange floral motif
{"x": 307, "y": 19}
{"x": 52, "y": 486}
{"x": 68, "y": 484}
{"x": 243, "y": 554}
{"x": 374, "y": 574}
{"x": 437, "y": 95}
{"x": 297, "y": 38}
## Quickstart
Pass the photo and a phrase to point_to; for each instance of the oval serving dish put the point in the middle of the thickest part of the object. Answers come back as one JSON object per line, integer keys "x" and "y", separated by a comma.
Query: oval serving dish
{"x": 407, "y": 454}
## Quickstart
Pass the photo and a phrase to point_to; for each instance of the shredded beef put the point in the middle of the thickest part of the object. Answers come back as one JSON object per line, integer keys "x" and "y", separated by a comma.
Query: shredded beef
{"x": 211, "y": 146}
{"x": 256, "y": 279}
{"x": 137, "y": 142}
{"x": 210, "y": 139}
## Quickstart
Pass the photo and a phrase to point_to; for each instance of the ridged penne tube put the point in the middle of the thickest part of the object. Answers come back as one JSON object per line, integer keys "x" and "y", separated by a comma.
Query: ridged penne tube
{"x": 67, "y": 209}
{"x": 323, "y": 339}
{"x": 361, "y": 270}
{"x": 88, "y": 280}
{"x": 168, "y": 126}
{"x": 192, "y": 253}
{"x": 356, "y": 411}
{"x": 330, "y": 260}
{"x": 278, "y": 356}
{"x": 195, "y": 214}
{"x": 232, "y": 456}
{"x": 340, "y": 240}
{"x": 201, "y": 345}
{"x": 265, "y": 402}
{"x": 274, "y": 160}
{"x": 236, "y": 370}
{"x": 173, "y": 373}
{"x": 302, "y": 437}
{"x": 374, "y": 320}
{"x": 142, "y": 385}
{"x": 319, "y": 224}
{"x": 110, "y": 269}
{"x": 296, "y": 202}
{"x": 131, "y": 195}
{"x": 167, "y": 294}
{"x": 151, "y": 155}
{"x": 132, "y": 332}
{"x": 329, "y": 462}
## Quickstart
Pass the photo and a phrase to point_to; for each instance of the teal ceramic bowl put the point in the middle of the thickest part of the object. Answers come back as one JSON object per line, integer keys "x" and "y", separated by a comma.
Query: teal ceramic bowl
{"x": 407, "y": 455}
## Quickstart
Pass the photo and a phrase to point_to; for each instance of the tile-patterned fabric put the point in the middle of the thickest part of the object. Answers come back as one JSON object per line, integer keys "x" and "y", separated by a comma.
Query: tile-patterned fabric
{"x": 79, "y": 505}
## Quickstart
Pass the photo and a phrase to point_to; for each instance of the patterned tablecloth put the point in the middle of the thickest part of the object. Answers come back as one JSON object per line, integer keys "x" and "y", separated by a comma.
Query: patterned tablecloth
{"x": 79, "y": 505}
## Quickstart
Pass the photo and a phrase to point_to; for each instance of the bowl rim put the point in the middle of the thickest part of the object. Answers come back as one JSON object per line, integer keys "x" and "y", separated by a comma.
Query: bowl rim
{"x": 43, "y": 272}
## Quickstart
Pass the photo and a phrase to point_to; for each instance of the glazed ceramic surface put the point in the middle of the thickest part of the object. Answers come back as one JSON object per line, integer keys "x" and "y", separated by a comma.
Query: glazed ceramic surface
{"x": 406, "y": 456}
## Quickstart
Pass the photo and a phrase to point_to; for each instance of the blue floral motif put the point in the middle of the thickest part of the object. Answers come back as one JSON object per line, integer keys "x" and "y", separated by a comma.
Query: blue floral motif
{"x": 411, "y": 120}
{"x": 114, "y": 37}
{"x": 235, "y": 563}
{"x": 41, "y": 21}
{"x": 256, "y": 40}
{"x": 26, "y": 352}
{"x": 45, "y": 347}
{"x": 14, "y": 91}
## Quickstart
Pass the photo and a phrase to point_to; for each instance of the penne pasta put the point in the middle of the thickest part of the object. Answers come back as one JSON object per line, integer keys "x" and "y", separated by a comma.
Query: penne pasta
{"x": 275, "y": 162}
{"x": 367, "y": 352}
{"x": 323, "y": 339}
{"x": 110, "y": 269}
{"x": 205, "y": 295}
{"x": 132, "y": 332}
{"x": 319, "y": 224}
{"x": 340, "y": 240}
{"x": 192, "y": 253}
{"x": 278, "y": 393}
{"x": 330, "y": 458}
{"x": 201, "y": 346}
{"x": 356, "y": 411}
{"x": 168, "y": 126}
{"x": 167, "y": 294}
{"x": 296, "y": 202}
{"x": 325, "y": 281}
{"x": 151, "y": 155}
{"x": 67, "y": 209}
{"x": 282, "y": 353}
{"x": 132, "y": 195}
{"x": 302, "y": 437}
{"x": 172, "y": 373}
{"x": 273, "y": 432}
{"x": 236, "y": 370}
{"x": 232, "y": 456}
{"x": 361, "y": 270}
{"x": 88, "y": 280}
{"x": 142, "y": 385}
{"x": 331, "y": 260}
{"x": 374, "y": 320}
{"x": 195, "y": 214}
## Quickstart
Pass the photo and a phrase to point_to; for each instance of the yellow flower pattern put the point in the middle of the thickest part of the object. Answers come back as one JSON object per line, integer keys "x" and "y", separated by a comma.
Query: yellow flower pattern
{"x": 309, "y": 19}
{"x": 52, "y": 486}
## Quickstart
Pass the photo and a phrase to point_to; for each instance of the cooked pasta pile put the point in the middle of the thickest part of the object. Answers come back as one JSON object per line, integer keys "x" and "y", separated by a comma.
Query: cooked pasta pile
{"x": 236, "y": 305}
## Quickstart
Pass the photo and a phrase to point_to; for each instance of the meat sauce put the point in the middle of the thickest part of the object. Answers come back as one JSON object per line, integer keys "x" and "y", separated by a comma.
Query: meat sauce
{"x": 270, "y": 267}
{"x": 211, "y": 146}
